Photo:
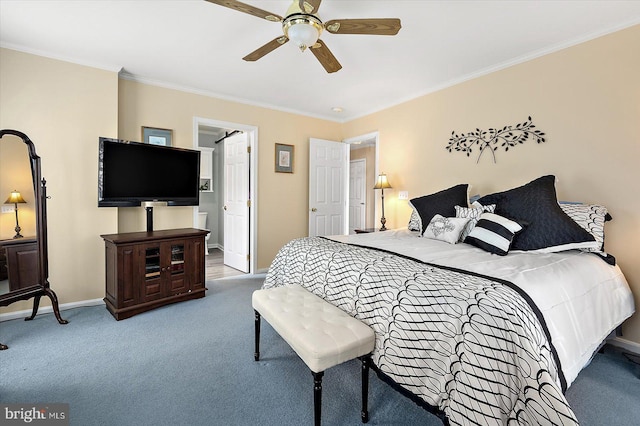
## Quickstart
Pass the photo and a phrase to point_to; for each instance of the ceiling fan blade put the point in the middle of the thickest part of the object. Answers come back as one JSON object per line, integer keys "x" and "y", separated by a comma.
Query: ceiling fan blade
{"x": 267, "y": 48}
{"x": 246, "y": 8}
{"x": 310, "y": 6}
{"x": 326, "y": 58}
{"x": 375, "y": 26}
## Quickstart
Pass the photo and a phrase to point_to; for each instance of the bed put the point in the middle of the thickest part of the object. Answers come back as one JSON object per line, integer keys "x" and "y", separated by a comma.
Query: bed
{"x": 476, "y": 335}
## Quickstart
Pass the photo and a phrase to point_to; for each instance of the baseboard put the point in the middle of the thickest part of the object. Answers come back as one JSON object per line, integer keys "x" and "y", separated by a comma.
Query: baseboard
{"x": 243, "y": 277}
{"x": 215, "y": 246}
{"x": 48, "y": 309}
{"x": 625, "y": 344}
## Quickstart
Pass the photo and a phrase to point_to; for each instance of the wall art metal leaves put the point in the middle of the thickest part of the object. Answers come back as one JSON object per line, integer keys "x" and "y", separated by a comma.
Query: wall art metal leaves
{"x": 492, "y": 139}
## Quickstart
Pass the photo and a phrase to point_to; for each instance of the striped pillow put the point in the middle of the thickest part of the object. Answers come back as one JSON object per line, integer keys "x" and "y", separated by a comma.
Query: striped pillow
{"x": 493, "y": 233}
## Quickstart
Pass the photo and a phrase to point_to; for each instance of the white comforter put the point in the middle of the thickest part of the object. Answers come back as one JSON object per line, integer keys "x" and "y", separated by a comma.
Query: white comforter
{"x": 581, "y": 297}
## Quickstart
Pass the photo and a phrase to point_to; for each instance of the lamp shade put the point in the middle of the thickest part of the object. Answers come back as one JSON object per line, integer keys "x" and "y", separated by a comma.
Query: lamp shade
{"x": 382, "y": 182}
{"x": 303, "y": 35}
{"x": 14, "y": 198}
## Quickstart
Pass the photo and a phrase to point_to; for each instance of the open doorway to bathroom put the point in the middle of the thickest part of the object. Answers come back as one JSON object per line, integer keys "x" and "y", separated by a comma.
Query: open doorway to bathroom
{"x": 214, "y": 210}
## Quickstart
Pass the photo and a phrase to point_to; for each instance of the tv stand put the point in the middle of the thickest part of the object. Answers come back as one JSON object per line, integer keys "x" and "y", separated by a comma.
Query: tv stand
{"x": 146, "y": 270}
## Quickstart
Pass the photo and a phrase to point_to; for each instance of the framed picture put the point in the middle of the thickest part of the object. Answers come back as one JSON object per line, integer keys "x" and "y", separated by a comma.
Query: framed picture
{"x": 284, "y": 158}
{"x": 155, "y": 136}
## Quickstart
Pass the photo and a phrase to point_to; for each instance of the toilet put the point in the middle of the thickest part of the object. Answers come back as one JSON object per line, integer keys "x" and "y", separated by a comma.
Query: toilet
{"x": 202, "y": 224}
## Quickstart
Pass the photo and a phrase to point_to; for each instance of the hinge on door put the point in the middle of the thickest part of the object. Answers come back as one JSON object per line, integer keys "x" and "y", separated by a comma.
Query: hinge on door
{"x": 248, "y": 257}
{"x": 248, "y": 203}
{"x": 249, "y": 149}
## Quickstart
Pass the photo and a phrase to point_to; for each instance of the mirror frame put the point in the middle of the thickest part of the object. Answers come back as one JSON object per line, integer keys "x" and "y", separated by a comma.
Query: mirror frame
{"x": 40, "y": 198}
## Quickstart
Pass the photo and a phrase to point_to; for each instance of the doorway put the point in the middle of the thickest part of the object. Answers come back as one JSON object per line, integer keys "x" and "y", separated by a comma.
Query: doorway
{"x": 364, "y": 149}
{"x": 357, "y": 194}
{"x": 329, "y": 209}
{"x": 209, "y": 136}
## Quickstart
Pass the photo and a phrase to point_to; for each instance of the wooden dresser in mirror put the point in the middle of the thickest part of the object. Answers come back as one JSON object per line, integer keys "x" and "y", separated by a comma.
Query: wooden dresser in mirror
{"x": 24, "y": 270}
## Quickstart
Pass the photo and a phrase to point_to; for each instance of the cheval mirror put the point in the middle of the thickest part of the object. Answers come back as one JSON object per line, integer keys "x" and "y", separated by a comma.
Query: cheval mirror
{"x": 24, "y": 271}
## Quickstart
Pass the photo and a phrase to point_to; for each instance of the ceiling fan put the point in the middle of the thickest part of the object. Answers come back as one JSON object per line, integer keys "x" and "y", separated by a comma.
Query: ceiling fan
{"x": 302, "y": 26}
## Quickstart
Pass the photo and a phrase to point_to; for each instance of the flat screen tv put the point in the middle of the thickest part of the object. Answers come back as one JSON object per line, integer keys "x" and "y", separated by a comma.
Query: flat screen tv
{"x": 131, "y": 173}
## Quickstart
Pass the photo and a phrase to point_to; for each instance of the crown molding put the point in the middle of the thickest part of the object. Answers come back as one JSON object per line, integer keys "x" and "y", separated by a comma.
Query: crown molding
{"x": 23, "y": 49}
{"x": 158, "y": 83}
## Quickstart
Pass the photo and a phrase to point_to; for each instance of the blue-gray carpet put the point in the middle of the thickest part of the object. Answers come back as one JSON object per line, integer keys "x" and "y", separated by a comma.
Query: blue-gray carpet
{"x": 192, "y": 364}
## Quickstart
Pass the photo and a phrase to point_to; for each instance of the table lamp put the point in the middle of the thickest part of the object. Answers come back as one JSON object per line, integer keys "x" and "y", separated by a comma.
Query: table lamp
{"x": 14, "y": 199}
{"x": 382, "y": 183}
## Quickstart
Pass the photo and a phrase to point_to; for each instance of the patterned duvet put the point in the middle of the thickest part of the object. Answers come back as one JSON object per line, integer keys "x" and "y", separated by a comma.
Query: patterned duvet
{"x": 474, "y": 348}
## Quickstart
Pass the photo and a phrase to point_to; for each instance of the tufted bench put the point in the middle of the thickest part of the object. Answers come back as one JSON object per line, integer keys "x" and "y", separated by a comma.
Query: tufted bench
{"x": 320, "y": 333}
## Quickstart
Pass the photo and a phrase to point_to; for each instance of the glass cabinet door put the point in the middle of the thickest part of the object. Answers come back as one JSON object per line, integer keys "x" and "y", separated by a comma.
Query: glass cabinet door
{"x": 152, "y": 263}
{"x": 177, "y": 259}
{"x": 164, "y": 270}
{"x": 152, "y": 288}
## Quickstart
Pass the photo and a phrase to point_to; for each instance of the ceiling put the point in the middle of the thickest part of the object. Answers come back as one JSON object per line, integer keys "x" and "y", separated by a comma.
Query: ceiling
{"x": 197, "y": 46}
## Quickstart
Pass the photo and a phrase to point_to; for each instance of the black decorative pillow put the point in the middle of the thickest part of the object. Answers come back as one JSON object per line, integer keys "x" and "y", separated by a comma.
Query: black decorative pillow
{"x": 548, "y": 228}
{"x": 442, "y": 203}
{"x": 591, "y": 218}
{"x": 493, "y": 233}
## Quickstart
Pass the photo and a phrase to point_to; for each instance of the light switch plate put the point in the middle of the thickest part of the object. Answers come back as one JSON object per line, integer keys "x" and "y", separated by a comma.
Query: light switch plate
{"x": 7, "y": 209}
{"x": 403, "y": 195}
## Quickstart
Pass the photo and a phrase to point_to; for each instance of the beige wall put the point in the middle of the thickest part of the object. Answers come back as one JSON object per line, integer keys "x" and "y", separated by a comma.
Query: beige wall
{"x": 585, "y": 98}
{"x": 64, "y": 108}
{"x": 282, "y": 197}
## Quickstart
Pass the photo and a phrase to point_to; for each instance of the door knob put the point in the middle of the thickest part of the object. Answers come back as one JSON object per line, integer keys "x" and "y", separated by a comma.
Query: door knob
{"x": 225, "y": 208}
{"x": 314, "y": 209}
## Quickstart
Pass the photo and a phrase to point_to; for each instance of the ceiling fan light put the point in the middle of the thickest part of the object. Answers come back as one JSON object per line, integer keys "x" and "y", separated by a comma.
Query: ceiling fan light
{"x": 303, "y": 35}
{"x": 303, "y": 30}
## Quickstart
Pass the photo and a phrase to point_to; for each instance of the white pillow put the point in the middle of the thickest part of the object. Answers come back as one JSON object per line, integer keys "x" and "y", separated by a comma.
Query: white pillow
{"x": 473, "y": 213}
{"x": 415, "y": 224}
{"x": 445, "y": 228}
{"x": 591, "y": 217}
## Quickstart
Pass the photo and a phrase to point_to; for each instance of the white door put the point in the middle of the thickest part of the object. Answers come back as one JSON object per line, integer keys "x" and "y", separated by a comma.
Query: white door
{"x": 357, "y": 194}
{"x": 236, "y": 202}
{"x": 328, "y": 169}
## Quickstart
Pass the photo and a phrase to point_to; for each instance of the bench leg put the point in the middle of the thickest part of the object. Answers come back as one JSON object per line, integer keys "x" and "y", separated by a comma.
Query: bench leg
{"x": 366, "y": 360}
{"x": 256, "y": 353}
{"x": 317, "y": 397}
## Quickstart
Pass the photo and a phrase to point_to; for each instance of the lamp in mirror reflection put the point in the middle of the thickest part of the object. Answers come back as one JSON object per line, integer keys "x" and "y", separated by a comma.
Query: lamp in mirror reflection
{"x": 16, "y": 198}
{"x": 382, "y": 183}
